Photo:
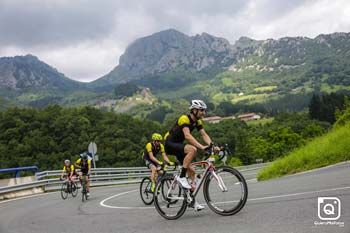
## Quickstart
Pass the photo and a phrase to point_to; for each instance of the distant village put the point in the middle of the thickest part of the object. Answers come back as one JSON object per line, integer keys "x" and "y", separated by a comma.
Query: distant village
{"x": 243, "y": 117}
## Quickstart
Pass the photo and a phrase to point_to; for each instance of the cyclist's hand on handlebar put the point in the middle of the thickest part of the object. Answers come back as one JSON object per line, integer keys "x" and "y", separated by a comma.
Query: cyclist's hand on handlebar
{"x": 171, "y": 163}
{"x": 216, "y": 148}
{"x": 160, "y": 163}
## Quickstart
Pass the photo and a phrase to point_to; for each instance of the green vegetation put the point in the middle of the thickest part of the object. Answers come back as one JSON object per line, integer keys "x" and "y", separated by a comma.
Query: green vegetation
{"x": 329, "y": 149}
{"x": 46, "y": 137}
{"x": 325, "y": 150}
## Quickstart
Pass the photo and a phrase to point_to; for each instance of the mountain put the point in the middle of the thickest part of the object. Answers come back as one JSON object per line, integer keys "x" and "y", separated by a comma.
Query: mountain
{"x": 168, "y": 51}
{"x": 153, "y": 58}
{"x": 279, "y": 74}
{"x": 25, "y": 72}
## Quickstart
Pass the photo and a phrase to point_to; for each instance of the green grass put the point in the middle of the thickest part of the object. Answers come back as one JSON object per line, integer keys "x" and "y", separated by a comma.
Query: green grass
{"x": 265, "y": 88}
{"x": 260, "y": 122}
{"x": 328, "y": 149}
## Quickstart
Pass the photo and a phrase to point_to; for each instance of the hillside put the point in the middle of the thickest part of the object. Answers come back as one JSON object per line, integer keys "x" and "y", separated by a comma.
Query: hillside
{"x": 328, "y": 149}
{"x": 266, "y": 76}
{"x": 249, "y": 72}
{"x": 25, "y": 72}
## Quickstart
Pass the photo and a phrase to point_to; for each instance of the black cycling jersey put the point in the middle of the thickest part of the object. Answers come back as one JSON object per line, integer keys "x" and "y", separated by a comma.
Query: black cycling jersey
{"x": 150, "y": 147}
{"x": 176, "y": 134}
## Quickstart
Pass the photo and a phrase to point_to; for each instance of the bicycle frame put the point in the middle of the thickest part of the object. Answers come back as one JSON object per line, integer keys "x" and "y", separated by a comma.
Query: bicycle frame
{"x": 210, "y": 169}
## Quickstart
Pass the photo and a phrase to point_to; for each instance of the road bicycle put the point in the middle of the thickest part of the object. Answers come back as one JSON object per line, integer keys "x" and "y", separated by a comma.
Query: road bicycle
{"x": 146, "y": 185}
{"x": 69, "y": 187}
{"x": 225, "y": 190}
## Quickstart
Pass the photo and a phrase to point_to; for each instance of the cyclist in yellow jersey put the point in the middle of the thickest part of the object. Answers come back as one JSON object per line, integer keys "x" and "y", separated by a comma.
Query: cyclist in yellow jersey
{"x": 85, "y": 167}
{"x": 185, "y": 153}
{"x": 69, "y": 171}
{"x": 150, "y": 157}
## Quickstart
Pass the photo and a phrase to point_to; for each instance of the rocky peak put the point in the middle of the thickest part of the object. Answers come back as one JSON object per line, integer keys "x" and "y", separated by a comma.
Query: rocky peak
{"x": 28, "y": 71}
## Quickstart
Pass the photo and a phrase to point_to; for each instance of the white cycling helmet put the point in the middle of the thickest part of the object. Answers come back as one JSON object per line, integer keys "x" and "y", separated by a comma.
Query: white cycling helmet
{"x": 198, "y": 104}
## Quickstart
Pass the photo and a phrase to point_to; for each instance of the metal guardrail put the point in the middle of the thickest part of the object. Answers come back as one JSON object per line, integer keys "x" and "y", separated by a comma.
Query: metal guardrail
{"x": 49, "y": 181}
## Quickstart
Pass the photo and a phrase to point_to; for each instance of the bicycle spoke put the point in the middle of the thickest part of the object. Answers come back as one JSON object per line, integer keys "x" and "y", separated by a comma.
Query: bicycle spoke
{"x": 225, "y": 193}
{"x": 169, "y": 199}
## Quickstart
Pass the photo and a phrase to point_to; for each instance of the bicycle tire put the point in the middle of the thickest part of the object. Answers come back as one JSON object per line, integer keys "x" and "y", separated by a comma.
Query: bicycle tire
{"x": 74, "y": 189}
{"x": 64, "y": 192}
{"x": 145, "y": 191}
{"x": 166, "y": 183}
{"x": 161, "y": 204}
{"x": 244, "y": 192}
{"x": 83, "y": 185}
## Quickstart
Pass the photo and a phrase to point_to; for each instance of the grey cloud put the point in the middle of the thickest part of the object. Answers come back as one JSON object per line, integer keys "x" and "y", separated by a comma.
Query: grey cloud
{"x": 71, "y": 34}
{"x": 40, "y": 23}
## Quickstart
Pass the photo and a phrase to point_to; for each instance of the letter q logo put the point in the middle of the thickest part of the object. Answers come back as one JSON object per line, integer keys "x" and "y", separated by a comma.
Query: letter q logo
{"x": 329, "y": 208}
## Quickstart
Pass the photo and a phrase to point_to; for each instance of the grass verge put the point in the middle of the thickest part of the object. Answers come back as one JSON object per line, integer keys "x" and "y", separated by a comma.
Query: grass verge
{"x": 334, "y": 147}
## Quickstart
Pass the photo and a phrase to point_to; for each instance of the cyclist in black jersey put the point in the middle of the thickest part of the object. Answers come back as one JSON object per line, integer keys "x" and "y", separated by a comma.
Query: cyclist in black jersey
{"x": 185, "y": 153}
{"x": 150, "y": 157}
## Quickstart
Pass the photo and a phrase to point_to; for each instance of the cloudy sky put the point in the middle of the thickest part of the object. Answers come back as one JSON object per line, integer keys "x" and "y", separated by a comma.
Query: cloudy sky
{"x": 84, "y": 38}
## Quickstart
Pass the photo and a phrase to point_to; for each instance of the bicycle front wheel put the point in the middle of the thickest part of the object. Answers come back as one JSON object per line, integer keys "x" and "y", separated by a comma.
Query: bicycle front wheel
{"x": 225, "y": 191}
{"x": 64, "y": 191}
{"x": 74, "y": 189}
{"x": 170, "y": 199}
{"x": 83, "y": 185}
{"x": 145, "y": 191}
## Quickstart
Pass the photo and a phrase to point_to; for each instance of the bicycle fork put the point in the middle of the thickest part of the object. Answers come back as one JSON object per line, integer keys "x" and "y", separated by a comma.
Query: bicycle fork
{"x": 220, "y": 181}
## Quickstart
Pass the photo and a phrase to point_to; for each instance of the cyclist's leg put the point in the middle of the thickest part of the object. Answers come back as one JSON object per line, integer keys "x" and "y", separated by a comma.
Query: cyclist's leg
{"x": 190, "y": 152}
{"x": 153, "y": 172}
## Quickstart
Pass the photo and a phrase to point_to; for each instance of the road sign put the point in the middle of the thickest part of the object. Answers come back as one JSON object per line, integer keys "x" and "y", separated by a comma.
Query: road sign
{"x": 92, "y": 148}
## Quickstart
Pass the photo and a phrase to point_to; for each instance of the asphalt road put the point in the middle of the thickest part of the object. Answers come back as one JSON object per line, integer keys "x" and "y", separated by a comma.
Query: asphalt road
{"x": 288, "y": 204}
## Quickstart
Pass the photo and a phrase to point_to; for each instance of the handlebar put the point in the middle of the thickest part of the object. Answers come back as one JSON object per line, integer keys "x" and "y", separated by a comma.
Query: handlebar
{"x": 164, "y": 166}
{"x": 210, "y": 151}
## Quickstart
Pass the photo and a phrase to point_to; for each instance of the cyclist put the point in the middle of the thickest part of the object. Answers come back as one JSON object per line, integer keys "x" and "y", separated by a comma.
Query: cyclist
{"x": 185, "y": 153}
{"x": 150, "y": 157}
{"x": 69, "y": 171}
{"x": 85, "y": 167}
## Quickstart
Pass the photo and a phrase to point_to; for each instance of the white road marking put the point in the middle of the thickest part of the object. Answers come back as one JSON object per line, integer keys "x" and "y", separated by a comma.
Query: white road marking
{"x": 102, "y": 203}
{"x": 298, "y": 194}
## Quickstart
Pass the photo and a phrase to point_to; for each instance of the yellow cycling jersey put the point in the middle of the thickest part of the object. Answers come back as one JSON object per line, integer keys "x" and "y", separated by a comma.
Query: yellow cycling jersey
{"x": 84, "y": 165}
{"x": 69, "y": 169}
{"x": 154, "y": 149}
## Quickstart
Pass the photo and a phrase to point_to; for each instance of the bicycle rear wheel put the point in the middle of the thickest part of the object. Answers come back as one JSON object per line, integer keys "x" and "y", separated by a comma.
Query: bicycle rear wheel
{"x": 170, "y": 199}
{"x": 229, "y": 200}
{"x": 145, "y": 191}
{"x": 64, "y": 191}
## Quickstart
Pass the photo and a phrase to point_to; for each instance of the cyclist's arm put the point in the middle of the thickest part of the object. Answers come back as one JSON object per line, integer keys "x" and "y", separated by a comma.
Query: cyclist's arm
{"x": 207, "y": 139}
{"x": 165, "y": 157}
{"x": 191, "y": 139}
{"x": 76, "y": 164}
{"x": 205, "y": 136}
{"x": 151, "y": 156}
{"x": 89, "y": 166}
{"x": 71, "y": 171}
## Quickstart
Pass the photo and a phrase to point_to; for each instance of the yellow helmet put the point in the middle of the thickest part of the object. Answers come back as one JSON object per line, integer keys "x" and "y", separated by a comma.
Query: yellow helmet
{"x": 157, "y": 137}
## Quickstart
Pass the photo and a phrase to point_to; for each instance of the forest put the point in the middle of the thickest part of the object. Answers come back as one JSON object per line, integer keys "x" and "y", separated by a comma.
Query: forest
{"x": 46, "y": 137}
